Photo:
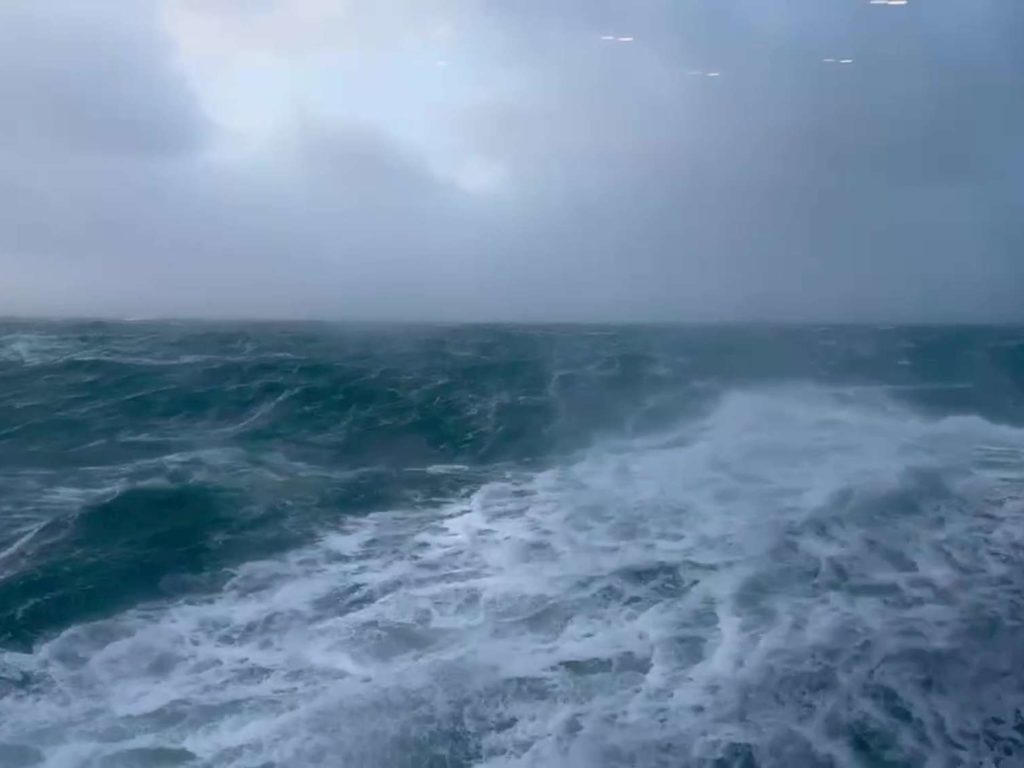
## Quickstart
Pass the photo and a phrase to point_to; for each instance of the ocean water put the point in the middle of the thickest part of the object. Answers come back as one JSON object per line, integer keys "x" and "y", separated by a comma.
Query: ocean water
{"x": 263, "y": 546}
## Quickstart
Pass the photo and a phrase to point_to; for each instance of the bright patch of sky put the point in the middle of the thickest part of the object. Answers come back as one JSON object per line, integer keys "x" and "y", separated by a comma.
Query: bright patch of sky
{"x": 291, "y": 64}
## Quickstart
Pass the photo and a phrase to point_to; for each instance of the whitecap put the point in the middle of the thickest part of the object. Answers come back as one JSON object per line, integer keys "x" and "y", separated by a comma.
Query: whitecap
{"x": 763, "y": 582}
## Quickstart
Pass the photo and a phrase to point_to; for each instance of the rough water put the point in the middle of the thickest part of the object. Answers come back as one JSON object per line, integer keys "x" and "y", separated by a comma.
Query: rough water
{"x": 267, "y": 546}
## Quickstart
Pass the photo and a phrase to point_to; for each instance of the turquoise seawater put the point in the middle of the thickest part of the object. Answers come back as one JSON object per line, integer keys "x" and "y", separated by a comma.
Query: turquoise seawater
{"x": 259, "y": 545}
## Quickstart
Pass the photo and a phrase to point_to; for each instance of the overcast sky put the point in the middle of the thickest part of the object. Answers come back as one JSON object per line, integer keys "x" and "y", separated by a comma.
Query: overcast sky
{"x": 502, "y": 159}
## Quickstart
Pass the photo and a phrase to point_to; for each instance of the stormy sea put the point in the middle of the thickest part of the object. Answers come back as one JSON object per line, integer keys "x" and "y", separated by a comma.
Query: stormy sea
{"x": 287, "y": 545}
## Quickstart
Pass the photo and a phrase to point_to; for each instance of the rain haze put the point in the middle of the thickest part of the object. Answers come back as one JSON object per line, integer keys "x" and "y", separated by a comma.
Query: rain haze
{"x": 511, "y": 383}
{"x": 536, "y": 160}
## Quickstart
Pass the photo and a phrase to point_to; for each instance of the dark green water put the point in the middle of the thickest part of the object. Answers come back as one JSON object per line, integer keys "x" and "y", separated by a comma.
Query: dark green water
{"x": 288, "y": 545}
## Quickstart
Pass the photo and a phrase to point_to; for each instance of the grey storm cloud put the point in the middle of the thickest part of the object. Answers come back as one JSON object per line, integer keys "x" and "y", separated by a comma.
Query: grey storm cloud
{"x": 619, "y": 181}
{"x": 90, "y": 79}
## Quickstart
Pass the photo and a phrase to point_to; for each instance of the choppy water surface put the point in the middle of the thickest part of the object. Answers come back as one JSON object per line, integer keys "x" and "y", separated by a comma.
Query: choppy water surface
{"x": 303, "y": 545}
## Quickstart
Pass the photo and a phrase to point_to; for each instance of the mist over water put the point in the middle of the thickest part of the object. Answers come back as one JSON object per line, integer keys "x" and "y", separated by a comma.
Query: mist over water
{"x": 279, "y": 545}
{"x": 258, "y": 545}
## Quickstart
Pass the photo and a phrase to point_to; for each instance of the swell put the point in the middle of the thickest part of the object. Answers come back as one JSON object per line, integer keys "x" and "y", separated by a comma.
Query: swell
{"x": 302, "y": 545}
{"x": 799, "y": 576}
{"x": 158, "y": 529}
{"x": 95, "y": 393}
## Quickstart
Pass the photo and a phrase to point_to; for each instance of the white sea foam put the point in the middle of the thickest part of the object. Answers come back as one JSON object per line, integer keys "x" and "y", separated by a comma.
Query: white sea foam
{"x": 762, "y": 583}
{"x": 33, "y": 348}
